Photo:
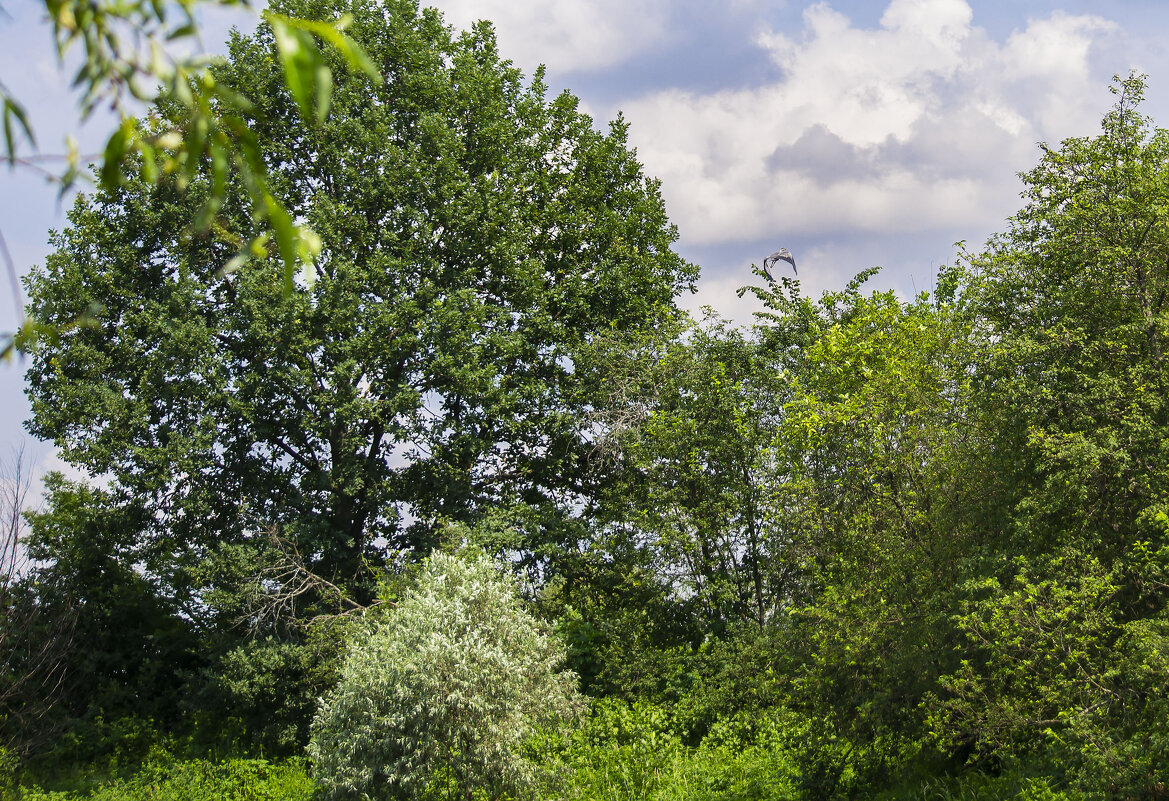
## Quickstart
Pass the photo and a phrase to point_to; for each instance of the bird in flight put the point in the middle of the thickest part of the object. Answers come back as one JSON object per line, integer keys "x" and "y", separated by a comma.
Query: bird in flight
{"x": 783, "y": 254}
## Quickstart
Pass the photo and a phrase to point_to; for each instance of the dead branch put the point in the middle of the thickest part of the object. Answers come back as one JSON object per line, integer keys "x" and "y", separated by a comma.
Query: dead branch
{"x": 35, "y": 643}
{"x": 284, "y": 585}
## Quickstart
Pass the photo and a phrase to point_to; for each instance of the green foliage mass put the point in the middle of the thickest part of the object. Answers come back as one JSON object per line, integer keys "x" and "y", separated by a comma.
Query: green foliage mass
{"x": 1067, "y": 595}
{"x": 867, "y": 547}
{"x": 124, "y": 649}
{"x": 476, "y": 237}
{"x": 168, "y": 779}
{"x": 955, "y": 505}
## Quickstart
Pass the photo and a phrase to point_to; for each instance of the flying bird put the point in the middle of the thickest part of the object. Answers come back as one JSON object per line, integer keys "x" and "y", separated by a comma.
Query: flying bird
{"x": 783, "y": 254}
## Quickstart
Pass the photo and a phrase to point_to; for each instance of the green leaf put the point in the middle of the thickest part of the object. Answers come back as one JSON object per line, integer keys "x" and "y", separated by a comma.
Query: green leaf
{"x": 324, "y": 92}
{"x": 284, "y": 231}
{"x": 186, "y": 30}
{"x": 300, "y": 61}
{"x": 149, "y": 163}
{"x": 115, "y": 154}
{"x": 14, "y": 116}
{"x": 333, "y": 33}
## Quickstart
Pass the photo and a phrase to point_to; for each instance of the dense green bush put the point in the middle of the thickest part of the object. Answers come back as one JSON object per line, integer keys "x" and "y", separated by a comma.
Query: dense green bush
{"x": 636, "y": 751}
{"x": 261, "y": 695}
{"x": 1013, "y": 784}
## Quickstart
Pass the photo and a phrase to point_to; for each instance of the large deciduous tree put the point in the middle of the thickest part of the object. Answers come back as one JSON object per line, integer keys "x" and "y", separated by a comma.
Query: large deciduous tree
{"x": 476, "y": 236}
{"x": 1065, "y": 614}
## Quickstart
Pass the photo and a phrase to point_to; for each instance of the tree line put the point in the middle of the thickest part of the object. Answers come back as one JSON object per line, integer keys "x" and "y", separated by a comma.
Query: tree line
{"x": 857, "y": 548}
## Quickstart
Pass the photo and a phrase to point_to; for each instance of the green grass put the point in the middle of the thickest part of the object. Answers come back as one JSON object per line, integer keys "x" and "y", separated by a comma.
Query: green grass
{"x": 189, "y": 780}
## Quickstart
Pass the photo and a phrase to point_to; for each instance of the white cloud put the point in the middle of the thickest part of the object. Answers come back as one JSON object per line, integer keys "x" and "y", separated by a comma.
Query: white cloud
{"x": 1054, "y": 48}
{"x": 918, "y": 124}
{"x": 720, "y": 293}
{"x": 53, "y": 463}
{"x": 566, "y": 35}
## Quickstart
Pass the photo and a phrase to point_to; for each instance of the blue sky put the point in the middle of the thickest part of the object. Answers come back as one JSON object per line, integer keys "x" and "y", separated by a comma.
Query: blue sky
{"x": 854, "y": 133}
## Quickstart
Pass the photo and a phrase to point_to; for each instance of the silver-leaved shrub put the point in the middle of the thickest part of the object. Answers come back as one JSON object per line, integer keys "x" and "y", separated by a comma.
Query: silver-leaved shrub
{"x": 439, "y": 693}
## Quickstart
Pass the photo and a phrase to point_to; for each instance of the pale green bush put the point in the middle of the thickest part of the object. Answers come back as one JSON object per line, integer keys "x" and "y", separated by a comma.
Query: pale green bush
{"x": 440, "y": 692}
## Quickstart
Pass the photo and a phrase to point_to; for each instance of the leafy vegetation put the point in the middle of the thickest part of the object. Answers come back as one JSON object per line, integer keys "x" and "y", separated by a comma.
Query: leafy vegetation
{"x": 164, "y": 778}
{"x": 865, "y": 548}
{"x": 440, "y": 692}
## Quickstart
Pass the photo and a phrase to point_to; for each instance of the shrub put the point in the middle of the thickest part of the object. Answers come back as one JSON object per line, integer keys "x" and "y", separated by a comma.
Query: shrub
{"x": 442, "y": 691}
{"x": 633, "y": 752}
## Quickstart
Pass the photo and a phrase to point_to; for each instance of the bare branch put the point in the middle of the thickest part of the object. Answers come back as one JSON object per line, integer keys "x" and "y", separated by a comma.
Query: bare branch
{"x": 284, "y": 585}
{"x": 15, "y": 483}
{"x": 35, "y": 643}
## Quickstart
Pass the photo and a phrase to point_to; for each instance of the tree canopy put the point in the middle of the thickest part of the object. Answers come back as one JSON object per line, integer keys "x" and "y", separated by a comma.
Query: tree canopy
{"x": 476, "y": 238}
{"x": 866, "y": 547}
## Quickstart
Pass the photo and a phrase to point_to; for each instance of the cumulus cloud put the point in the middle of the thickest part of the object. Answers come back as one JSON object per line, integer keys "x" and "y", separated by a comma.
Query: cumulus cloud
{"x": 720, "y": 295}
{"x": 53, "y": 463}
{"x": 566, "y": 35}
{"x": 917, "y": 124}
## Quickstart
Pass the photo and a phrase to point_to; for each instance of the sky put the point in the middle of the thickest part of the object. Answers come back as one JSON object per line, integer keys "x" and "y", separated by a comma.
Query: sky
{"x": 856, "y": 133}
